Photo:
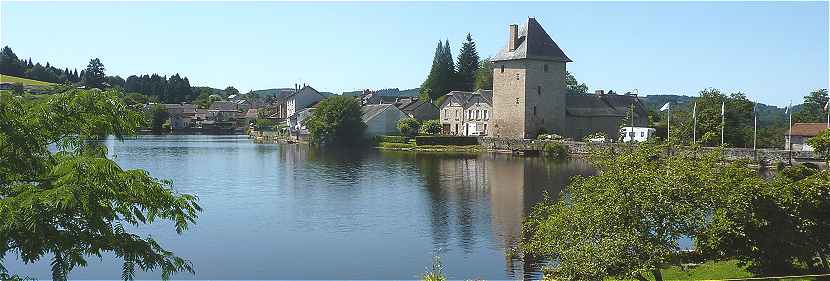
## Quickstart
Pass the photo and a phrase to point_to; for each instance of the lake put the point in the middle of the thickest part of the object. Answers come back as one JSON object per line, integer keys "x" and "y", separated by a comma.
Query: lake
{"x": 288, "y": 211}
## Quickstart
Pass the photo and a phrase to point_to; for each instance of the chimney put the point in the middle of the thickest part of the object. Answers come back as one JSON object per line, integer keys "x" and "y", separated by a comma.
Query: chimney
{"x": 514, "y": 37}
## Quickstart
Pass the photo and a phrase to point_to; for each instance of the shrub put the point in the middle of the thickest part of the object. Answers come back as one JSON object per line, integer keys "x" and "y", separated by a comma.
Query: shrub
{"x": 555, "y": 150}
{"x": 446, "y": 140}
{"x": 264, "y": 124}
{"x": 436, "y": 273}
{"x": 337, "y": 120}
{"x": 390, "y": 139}
{"x": 431, "y": 127}
{"x": 408, "y": 127}
{"x": 596, "y": 136}
{"x": 821, "y": 144}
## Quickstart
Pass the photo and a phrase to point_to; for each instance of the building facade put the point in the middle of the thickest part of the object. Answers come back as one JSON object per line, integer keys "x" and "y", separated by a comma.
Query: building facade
{"x": 801, "y": 133}
{"x": 466, "y": 113}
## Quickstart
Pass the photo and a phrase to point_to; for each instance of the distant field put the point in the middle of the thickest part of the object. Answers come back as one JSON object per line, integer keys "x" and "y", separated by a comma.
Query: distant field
{"x": 24, "y": 81}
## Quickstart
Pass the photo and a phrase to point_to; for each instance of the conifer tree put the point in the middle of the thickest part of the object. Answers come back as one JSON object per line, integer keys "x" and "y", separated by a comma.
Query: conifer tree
{"x": 484, "y": 75}
{"x": 468, "y": 64}
{"x": 441, "y": 77}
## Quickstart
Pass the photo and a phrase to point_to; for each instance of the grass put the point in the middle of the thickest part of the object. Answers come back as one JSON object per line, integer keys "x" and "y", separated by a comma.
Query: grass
{"x": 713, "y": 270}
{"x": 24, "y": 81}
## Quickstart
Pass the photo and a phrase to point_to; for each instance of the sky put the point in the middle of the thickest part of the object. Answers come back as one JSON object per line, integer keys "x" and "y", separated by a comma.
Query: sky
{"x": 772, "y": 51}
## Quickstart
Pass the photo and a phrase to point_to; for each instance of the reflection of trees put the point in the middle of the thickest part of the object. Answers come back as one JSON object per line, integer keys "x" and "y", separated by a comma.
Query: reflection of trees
{"x": 340, "y": 165}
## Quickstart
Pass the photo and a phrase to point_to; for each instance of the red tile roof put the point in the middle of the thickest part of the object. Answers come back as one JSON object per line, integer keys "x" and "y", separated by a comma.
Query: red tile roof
{"x": 808, "y": 129}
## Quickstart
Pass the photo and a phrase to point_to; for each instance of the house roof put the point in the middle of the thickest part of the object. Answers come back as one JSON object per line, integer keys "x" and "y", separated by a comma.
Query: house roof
{"x": 223, "y": 105}
{"x": 306, "y": 89}
{"x": 370, "y": 111}
{"x": 593, "y": 105}
{"x": 808, "y": 129}
{"x": 464, "y": 98}
{"x": 252, "y": 113}
{"x": 533, "y": 43}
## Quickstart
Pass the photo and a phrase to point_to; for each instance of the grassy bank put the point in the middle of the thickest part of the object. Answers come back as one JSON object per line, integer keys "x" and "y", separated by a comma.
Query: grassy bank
{"x": 24, "y": 81}
{"x": 716, "y": 270}
{"x": 431, "y": 148}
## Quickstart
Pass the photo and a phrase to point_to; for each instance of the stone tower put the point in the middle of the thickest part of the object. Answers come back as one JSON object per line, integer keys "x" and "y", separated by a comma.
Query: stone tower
{"x": 529, "y": 84}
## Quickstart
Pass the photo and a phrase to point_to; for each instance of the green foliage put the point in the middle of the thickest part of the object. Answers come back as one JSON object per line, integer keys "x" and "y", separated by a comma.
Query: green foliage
{"x": 436, "y": 273}
{"x": 626, "y": 220}
{"x": 94, "y": 76}
{"x": 73, "y": 202}
{"x": 812, "y": 110}
{"x": 158, "y": 116}
{"x": 555, "y": 150}
{"x": 137, "y": 99}
{"x": 441, "y": 78}
{"x": 409, "y": 127}
{"x": 390, "y": 139}
{"x": 821, "y": 144}
{"x": 265, "y": 124}
{"x": 446, "y": 140}
{"x": 431, "y": 127}
{"x": 337, "y": 120}
{"x": 468, "y": 65}
{"x": 175, "y": 89}
{"x": 574, "y": 87}
{"x": 396, "y": 145}
{"x": 484, "y": 75}
{"x": 713, "y": 270}
{"x": 230, "y": 90}
{"x": 775, "y": 227}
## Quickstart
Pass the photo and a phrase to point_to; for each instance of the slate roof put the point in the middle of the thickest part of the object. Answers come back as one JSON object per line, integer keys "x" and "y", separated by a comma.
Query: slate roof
{"x": 372, "y": 110}
{"x": 593, "y": 105}
{"x": 411, "y": 105}
{"x": 223, "y": 105}
{"x": 808, "y": 129}
{"x": 533, "y": 43}
{"x": 463, "y": 97}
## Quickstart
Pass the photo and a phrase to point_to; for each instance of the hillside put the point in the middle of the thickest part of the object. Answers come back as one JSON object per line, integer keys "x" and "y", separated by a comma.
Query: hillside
{"x": 767, "y": 114}
{"x": 24, "y": 81}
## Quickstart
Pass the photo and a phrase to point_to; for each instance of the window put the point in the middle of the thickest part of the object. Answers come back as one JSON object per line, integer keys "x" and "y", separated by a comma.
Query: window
{"x": 534, "y": 110}
{"x": 539, "y": 90}
{"x": 478, "y": 116}
{"x": 517, "y": 76}
{"x": 642, "y": 134}
{"x": 517, "y": 100}
{"x": 502, "y": 68}
{"x": 546, "y": 67}
{"x": 485, "y": 114}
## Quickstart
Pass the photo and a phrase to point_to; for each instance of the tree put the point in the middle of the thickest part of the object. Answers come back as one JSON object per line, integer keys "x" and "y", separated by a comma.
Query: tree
{"x": 230, "y": 90}
{"x": 821, "y": 144}
{"x": 468, "y": 64}
{"x": 739, "y": 120}
{"x": 812, "y": 111}
{"x": 775, "y": 227}
{"x": 9, "y": 63}
{"x": 484, "y": 75}
{"x": 409, "y": 127}
{"x": 574, "y": 87}
{"x": 337, "y": 121}
{"x": 621, "y": 221}
{"x": 61, "y": 196}
{"x": 431, "y": 127}
{"x": 94, "y": 76}
{"x": 158, "y": 115}
{"x": 441, "y": 76}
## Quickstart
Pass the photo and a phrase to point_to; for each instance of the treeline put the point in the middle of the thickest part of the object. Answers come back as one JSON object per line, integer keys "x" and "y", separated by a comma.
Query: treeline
{"x": 10, "y": 64}
{"x": 173, "y": 89}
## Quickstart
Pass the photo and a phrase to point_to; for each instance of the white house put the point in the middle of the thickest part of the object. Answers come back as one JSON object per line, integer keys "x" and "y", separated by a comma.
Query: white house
{"x": 638, "y": 134}
{"x": 302, "y": 99}
{"x": 295, "y": 122}
{"x": 382, "y": 119}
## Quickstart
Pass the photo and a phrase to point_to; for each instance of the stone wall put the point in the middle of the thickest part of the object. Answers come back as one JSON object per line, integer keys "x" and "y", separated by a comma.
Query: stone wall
{"x": 766, "y": 156}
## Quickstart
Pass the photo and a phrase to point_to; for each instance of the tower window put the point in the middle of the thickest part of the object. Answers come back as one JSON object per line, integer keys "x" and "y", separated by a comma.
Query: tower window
{"x": 502, "y": 68}
{"x": 517, "y": 76}
{"x": 539, "y": 90}
{"x": 517, "y": 100}
{"x": 546, "y": 67}
{"x": 534, "y": 110}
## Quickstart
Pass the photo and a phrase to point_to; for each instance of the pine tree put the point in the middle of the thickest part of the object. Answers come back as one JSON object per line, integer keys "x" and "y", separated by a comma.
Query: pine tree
{"x": 484, "y": 75}
{"x": 468, "y": 64}
{"x": 441, "y": 76}
{"x": 94, "y": 75}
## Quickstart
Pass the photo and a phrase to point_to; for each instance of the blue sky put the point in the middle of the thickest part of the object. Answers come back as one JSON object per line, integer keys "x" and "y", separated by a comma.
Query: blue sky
{"x": 773, "y": 51}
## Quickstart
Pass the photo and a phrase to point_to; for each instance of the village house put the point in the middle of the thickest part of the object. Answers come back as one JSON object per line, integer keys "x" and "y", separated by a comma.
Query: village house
{"x": 385, "y": 96}
{"x": 180, "y": 115}
{"x": 295, "y": 122}
{"x": 381, "y": 119}
{"x": 417, "y": 108}
{"x": 530, "y": 96}
{"x": 466, "y": 113}
{"x": 223, "y": 111}
{"x": 801, "y": 132}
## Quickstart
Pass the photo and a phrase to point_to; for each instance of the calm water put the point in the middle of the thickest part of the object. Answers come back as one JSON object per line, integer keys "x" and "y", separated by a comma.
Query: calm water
{"x": 294, "y": 212}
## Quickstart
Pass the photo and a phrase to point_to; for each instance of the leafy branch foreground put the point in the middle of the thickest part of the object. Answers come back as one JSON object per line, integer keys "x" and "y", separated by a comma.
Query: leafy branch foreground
{"x": 626, "y": 221}
{"x": 73, "y": 202}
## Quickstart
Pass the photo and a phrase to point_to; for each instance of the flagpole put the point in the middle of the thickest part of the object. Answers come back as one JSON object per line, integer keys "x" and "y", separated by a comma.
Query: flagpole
{"x": 722, "y": 121}
{"x": 694, "y": 124}
{"x": 754, "y": 126}
{"x": 668, "y": 126}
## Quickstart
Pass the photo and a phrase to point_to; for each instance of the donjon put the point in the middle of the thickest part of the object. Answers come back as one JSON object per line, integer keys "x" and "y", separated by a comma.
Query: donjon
{"x": 529, "y": 84}
{"x": 530, "y": 95}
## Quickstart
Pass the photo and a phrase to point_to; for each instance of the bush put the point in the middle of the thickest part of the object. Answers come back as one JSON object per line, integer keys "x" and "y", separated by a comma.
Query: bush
{"x": 446, "y": 140}
{"x": 596, "y": 136}
{"x": 390, "y": 139}
{"x": 821, "y": 144}
{"x": 431, "y": 127}
{"x": 264, "y": 124}
{"x": 555, "y": 150}
{"x": 409, "y": 127}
